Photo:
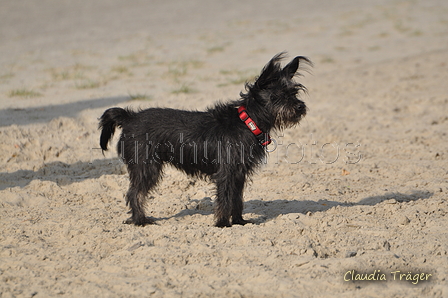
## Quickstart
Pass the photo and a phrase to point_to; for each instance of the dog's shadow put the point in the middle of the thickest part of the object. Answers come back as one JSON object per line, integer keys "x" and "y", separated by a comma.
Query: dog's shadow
{"x": 42, "y": 114}
{"x": 267, "y": 210}
{"x": 62, "y": 173}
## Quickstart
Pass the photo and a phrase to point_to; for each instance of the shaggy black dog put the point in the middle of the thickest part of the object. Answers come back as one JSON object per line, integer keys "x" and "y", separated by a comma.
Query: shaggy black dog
{"x": 225, "y": 143}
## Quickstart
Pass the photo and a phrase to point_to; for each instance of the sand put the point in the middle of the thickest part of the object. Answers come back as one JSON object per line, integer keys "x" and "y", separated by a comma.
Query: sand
{"x": 357, "y": 191}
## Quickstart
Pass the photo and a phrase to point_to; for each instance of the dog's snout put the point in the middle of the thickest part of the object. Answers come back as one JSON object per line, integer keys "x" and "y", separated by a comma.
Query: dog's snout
{"x": 301, "y": 106}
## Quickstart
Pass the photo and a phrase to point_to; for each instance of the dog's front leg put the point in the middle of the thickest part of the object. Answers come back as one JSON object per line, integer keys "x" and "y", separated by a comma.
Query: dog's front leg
{"x": 223, "y": 204}
{"x": 237, "y": 201}
{"x": 229, "y": 199}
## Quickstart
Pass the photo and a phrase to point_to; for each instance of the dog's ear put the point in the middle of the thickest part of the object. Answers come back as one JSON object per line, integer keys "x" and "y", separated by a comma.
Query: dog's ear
{"x": 271, "y": 70}
{"x": 291, "y": 68}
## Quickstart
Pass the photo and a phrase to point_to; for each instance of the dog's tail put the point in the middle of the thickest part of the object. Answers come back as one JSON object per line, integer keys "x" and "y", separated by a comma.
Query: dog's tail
{"x": 109, "y": 121}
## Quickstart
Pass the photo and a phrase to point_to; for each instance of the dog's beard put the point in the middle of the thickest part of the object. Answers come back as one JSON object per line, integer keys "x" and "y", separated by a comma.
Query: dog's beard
{"x": 288, "y": 117}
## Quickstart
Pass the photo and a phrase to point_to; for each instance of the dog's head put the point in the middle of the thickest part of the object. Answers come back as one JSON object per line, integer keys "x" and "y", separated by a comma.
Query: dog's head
{"x": 275, "y": 94}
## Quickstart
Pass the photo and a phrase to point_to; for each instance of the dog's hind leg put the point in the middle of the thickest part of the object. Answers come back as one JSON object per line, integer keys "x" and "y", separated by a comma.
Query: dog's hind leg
{"x": 143, "y": 178}
{"x": 136, "y": 201}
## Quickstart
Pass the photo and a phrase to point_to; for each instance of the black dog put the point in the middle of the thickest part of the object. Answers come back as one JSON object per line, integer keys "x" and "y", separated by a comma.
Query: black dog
{"x": 225, "y": 143}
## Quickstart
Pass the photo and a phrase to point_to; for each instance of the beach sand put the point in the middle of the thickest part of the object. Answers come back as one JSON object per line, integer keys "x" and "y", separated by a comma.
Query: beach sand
{"x": 357, "y": 190}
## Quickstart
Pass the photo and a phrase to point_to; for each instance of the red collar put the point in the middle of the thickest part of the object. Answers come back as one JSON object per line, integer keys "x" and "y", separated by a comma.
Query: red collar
{"x": 264, "y": 138}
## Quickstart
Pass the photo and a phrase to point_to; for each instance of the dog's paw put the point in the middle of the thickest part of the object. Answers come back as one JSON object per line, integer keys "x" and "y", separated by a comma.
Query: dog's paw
{"x": 140, "y": 221}
{"x": 223, "y": 223}
{"x": 240, "y": 221}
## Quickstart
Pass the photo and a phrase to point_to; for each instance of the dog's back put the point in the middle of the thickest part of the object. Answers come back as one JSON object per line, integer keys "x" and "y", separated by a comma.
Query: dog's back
{"x": 156, "y": 123}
